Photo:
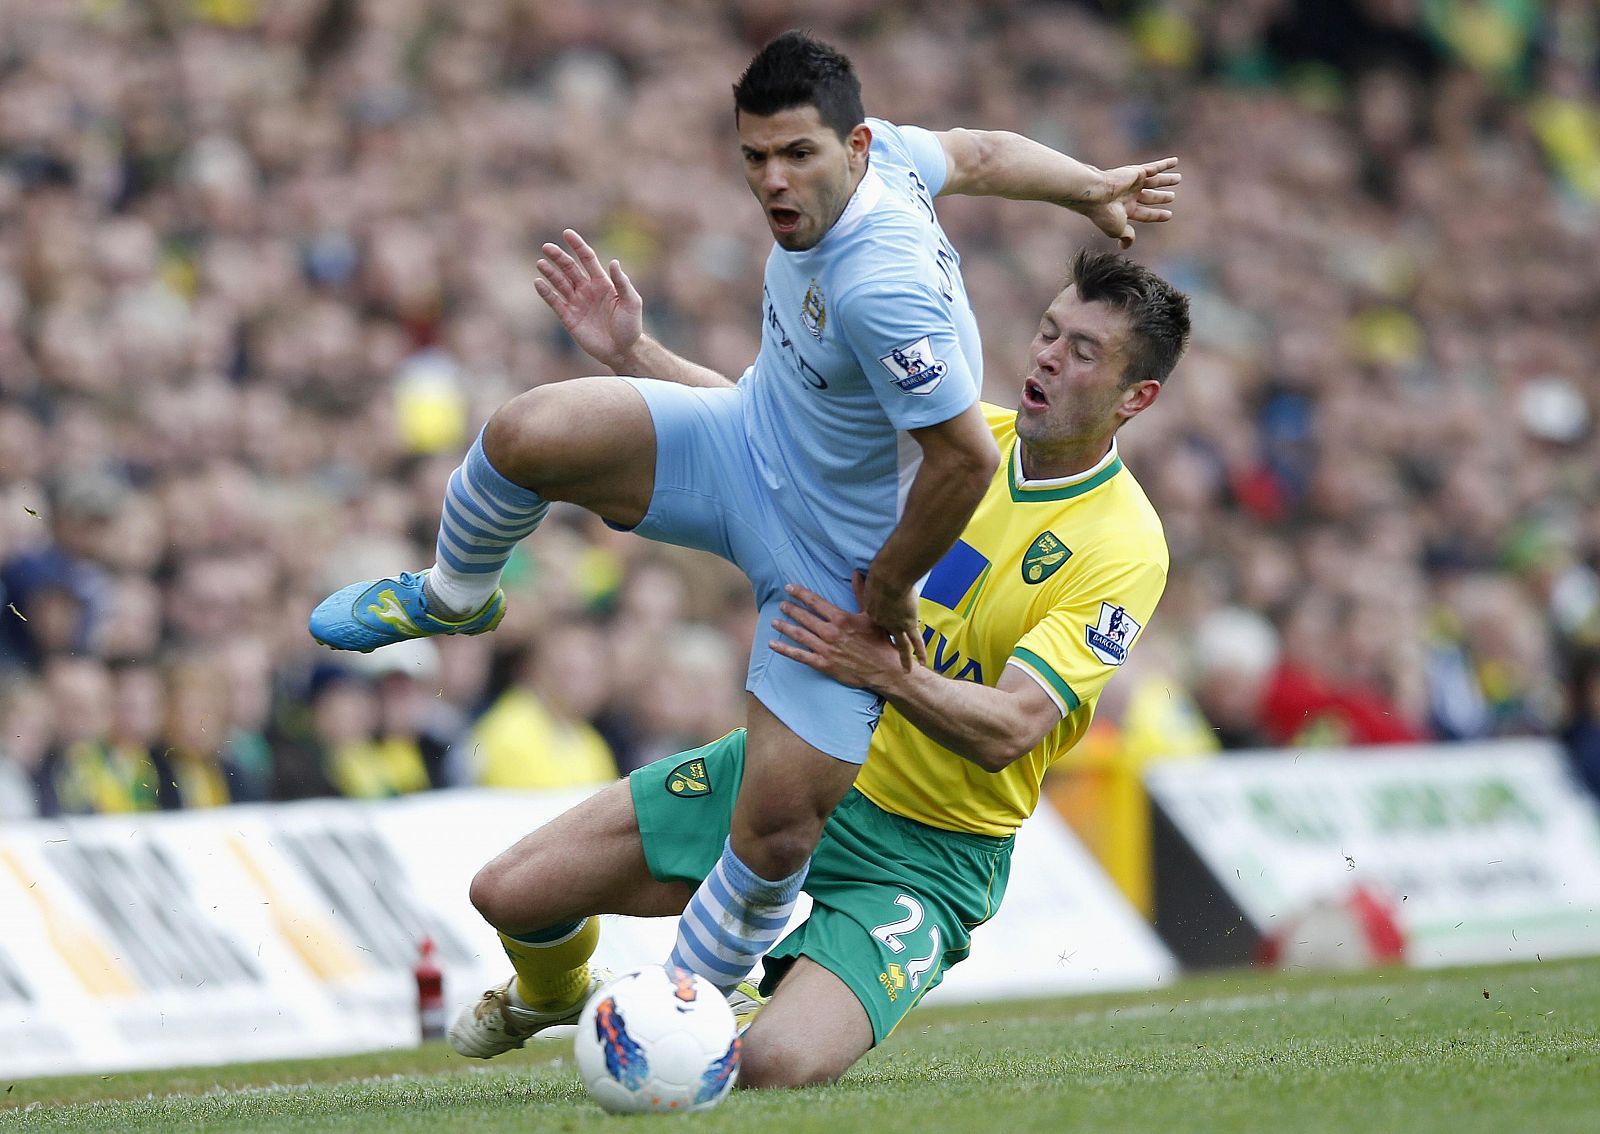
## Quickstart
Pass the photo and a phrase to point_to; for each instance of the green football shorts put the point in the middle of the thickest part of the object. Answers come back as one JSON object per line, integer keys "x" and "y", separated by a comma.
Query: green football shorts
{"x": 894, "y": 901}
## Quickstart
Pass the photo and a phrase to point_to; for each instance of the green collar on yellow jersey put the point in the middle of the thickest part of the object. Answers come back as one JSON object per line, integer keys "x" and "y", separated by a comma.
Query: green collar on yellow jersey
{"x": 1064, "y": 489}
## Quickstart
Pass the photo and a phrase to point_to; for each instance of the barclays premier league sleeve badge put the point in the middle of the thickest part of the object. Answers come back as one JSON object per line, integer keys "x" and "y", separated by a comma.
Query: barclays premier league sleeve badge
{"x": 1113, "y": 635}
{"x": 913, "y": 367}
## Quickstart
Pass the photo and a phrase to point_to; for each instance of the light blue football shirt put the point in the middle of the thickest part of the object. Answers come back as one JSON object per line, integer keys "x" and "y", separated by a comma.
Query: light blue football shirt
{"x": 864, "y": 336}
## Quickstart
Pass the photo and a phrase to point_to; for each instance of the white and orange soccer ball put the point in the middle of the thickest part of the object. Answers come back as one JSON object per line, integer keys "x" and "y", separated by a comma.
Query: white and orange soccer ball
{"x": 658, "y": 1039}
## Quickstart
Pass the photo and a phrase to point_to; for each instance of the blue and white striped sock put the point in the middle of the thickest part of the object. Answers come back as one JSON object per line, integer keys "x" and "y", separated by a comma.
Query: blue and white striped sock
{"x": 485, "y": 517}
{"x": 732, "y": 920}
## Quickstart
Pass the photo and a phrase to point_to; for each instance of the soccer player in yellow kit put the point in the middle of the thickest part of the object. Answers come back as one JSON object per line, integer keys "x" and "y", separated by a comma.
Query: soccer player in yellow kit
{"x": 1025, "y": 619}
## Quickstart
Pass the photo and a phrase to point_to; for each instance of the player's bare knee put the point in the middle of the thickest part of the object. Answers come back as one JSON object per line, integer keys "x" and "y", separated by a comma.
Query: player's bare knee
{"x": 504, "y": 897}
{"x": 538, "y": 439}
{"x": 778, "y": 854}
{"x": 521, "y": 437}
{"x": 488, "y": 892}
{"x": 783, "y": 832}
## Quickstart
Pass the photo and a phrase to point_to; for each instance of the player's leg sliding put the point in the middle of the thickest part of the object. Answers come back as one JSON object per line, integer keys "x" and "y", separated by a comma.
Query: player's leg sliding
{"x": 552, "y": 981}
{"x": 485, "y": 517}
{"x": 734, "y": 918}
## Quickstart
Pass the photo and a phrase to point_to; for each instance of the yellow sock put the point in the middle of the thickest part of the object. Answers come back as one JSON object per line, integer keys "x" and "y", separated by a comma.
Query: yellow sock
{"x": 553, "y": 974}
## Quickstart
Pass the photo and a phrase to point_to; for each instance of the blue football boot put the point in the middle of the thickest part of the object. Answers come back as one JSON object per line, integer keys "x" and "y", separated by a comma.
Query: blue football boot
{"x": 364, "y": 616}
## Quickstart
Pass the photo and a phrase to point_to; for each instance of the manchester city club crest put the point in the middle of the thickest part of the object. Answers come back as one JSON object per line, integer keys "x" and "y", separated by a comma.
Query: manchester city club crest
{"x": 814, "y": 310}
{"x": 1044, "y": 558}
{"x": 689, "y": 778}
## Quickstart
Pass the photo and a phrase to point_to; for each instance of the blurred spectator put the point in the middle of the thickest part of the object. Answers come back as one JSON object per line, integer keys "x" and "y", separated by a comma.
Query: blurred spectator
{"x": 197, "y": 736}
{"x": 1582, "y": 734}
{"x": 59, "y": 591}
{"x": 52, "y": 600}
{"x": 1311, "y": 698}
{"x": 133, "y": 626}
{"x": 84, "y": 774}
{"x": 138, "y": 720}
{"x": 340, "y": 751}
{"x": 25, "y": 737}
{"x": 687, "y": 689}
{"x": 1233, "y": 656}
{"x": 538, "y": 733}
{"x": 415, "y": 724}
{"x": 1492, "y": 662}
{"x": 246, "y": 665}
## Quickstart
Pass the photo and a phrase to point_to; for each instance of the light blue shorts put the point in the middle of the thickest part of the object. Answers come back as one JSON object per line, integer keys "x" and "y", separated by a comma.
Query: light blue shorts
{"x": 710, "y": 496}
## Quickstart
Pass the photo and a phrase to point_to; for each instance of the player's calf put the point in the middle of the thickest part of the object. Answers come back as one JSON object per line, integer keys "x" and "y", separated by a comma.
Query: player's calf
{"x": 783, "y": 1065}
{"x": 810, "y": 1032}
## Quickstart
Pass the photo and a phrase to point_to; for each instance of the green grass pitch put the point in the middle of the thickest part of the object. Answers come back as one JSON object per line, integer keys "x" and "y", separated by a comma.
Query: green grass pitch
{"x": 1506, "y": 1049}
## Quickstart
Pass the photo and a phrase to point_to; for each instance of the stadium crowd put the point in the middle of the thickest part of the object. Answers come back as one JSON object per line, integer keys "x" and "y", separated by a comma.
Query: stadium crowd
{"x": 266, "y": 265}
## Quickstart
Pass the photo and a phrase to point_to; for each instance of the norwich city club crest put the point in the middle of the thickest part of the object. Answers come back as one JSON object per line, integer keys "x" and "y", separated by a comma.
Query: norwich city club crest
{"x": 814, "y": 310}
{"x": 1044, "y": 558}
{"x": 689, "y": 778}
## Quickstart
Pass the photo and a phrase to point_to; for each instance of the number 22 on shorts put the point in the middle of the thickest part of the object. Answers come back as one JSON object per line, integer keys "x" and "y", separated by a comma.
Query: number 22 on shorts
{"x": 890, "y": 933}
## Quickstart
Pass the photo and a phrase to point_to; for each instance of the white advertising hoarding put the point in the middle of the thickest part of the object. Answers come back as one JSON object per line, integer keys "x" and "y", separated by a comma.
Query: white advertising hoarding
{"x": 1486, "y": 852}
{"x": 261, "y": 932}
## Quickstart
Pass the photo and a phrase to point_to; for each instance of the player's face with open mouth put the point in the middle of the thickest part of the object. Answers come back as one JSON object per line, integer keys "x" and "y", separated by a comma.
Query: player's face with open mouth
{"x": 1075, "y": 385}
{"x": 800, "y": 171}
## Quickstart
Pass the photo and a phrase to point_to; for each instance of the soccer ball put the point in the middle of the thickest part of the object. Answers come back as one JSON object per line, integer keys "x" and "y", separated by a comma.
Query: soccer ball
{"x": 658, "y": 1039}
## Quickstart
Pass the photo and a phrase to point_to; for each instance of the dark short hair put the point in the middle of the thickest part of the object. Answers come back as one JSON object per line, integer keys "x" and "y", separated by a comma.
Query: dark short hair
{"x": 796, "y": 70}
{"x": 1157, "y": 311}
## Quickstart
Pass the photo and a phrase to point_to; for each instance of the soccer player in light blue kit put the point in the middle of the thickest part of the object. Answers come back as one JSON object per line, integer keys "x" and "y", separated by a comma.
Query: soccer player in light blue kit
{"x": 854, "y": 444}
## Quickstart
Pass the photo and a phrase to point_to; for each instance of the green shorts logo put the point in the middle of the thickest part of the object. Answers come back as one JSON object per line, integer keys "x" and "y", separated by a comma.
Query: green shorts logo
{"x": 689, "y": 778}
{"x": 1044, "y": 558}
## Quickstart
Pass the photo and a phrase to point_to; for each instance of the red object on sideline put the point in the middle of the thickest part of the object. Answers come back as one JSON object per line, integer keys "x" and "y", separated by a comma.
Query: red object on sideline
{"x": 430, "y": 992}
{"x": 1358, "y": 929}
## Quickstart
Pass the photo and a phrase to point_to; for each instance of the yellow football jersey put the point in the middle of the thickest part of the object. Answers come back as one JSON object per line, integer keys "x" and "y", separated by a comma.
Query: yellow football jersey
{"x": 1057, "y": 577}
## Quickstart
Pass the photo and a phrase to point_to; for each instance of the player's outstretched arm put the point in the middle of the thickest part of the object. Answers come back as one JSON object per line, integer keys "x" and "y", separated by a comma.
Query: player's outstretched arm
{"x": 998, "y": 163}
{"x": 958, "y": 460}
{"x": 989, "y": 725}
{"x": 604, "y": 314}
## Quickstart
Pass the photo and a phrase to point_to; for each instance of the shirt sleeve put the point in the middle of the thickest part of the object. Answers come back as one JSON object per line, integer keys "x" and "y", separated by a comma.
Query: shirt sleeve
{"x": 904, "y": 339}
{"x": 925, "y": 152}
{"x": 1073, "y": 651}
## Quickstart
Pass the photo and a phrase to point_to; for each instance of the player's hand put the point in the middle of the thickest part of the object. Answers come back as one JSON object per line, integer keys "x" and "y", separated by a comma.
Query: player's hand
{"x": 895, "y": 610}
{"x": 599, "y": 306}
{"x": 1132, "y": 193}
{"x": 843, "y": 644}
